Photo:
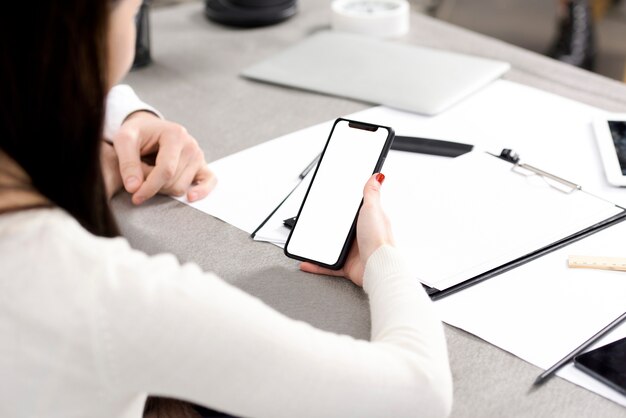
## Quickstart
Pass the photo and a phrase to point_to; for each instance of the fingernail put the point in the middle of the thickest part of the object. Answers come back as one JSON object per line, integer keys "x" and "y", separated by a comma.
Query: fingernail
{"x": 139, "y": 200}
{"x": 131, "y": 182}
{"x": 380, "y": 177}
{"x": 192, "y": 196}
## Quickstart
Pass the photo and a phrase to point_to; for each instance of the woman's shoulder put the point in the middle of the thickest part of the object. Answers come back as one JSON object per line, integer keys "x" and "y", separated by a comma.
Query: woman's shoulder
{"x": 52, "y": 230}
{"x": 52, "y": 238}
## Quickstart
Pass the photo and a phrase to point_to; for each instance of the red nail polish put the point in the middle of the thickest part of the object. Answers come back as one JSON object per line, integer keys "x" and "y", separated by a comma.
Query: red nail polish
{"x": 380, "y": 177}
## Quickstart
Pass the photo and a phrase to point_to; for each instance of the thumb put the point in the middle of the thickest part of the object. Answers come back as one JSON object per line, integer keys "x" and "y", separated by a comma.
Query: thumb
{"x": 126, "y": 143}
{"x": 371, "y": 191}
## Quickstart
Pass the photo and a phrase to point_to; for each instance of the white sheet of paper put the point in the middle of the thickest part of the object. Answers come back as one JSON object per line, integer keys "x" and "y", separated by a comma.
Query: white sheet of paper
{"x": 543, "y": 310}
{"x": 252, "y": 182}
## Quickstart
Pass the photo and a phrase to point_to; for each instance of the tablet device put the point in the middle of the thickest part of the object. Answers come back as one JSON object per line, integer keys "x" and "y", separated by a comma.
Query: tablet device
{"x": 607, "y": 364}
{"x": 610, "y": 133}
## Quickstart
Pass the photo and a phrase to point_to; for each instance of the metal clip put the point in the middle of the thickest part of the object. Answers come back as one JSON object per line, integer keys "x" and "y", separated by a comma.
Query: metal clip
{"x": 570, "y": 186}
{"x": 512, "y": 157}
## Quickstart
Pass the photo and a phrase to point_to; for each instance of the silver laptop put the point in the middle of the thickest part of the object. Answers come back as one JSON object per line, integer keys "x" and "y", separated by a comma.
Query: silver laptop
{"x": 394, "y": 74}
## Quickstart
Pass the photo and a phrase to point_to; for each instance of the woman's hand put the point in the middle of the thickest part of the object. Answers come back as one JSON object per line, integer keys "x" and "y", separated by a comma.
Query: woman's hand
{"x": 110, "y": 170}
{"x": 372, "y": 231}
{"x": 179, "y": 167}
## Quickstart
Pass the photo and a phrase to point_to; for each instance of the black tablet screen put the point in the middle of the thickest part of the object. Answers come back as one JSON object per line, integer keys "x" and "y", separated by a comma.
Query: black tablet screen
{"x": 618, "y": 132}
{"x": 606, "y": 363}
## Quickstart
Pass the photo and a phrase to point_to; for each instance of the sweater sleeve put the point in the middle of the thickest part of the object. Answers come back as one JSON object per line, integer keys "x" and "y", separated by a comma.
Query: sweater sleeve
{"x": 122, "y": 102}
{"x": 175, "y": 331}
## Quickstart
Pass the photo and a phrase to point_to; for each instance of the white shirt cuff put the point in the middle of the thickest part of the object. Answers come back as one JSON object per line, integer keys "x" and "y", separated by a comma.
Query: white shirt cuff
{"x": 121, "y": 102}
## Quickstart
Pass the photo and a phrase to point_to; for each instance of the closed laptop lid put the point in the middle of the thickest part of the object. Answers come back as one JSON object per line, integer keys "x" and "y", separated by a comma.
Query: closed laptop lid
{"x": 403, "y": 76}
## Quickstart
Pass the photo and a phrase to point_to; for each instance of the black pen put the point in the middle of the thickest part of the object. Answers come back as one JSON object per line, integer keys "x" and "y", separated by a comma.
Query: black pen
{"x": 548, "y": 373}
{"x": 309, "y": 167}
{"x": 430, "y": 146}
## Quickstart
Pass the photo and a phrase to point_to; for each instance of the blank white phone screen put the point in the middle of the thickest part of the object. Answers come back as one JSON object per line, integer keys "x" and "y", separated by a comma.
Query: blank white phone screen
{"x": 336, "y": 192}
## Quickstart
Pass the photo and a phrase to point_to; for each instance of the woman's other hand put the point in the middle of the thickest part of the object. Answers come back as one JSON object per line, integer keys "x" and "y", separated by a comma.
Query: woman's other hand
{"x": 179, "y": 168}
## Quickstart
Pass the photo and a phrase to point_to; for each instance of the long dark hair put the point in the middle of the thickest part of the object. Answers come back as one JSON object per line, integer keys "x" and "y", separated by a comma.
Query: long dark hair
{"x": 53, "y": 84}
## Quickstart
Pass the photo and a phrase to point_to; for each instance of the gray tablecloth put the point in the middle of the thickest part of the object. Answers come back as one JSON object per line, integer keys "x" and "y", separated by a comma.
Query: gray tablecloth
{"x": 194, "y": 81}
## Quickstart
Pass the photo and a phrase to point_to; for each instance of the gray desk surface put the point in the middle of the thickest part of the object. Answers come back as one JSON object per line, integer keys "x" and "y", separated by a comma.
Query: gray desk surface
{"x": 194, "y": 81}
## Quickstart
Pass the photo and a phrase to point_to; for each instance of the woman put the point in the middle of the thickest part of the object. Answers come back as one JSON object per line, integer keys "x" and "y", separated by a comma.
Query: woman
{"x": 90, "y": 326}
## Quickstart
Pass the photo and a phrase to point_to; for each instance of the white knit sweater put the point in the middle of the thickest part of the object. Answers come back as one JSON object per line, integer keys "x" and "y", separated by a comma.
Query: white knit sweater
{"x": 90, "y": 326}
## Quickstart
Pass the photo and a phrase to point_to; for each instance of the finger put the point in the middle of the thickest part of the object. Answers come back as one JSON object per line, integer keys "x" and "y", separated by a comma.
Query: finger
{"x": 183, "y": 182}
{"x": 190, "y": 157}
{"x": 172, "y": 186}
{"x": 190, "y": 162}
{"x": 371, "y": 191}
{"x": 146, "y": 169}
{"x": 315, "y": 269}
{"x": 164, "y": 170}
{"x": 127, "y": 148}
{"x": 205, "y": 181}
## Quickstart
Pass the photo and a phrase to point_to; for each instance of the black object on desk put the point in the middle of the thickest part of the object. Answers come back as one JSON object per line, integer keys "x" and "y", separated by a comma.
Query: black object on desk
{"x": 249, "y": 13}
{"x": 550, "y": 372}
{"x": 430, "y": 146}
{"x": 290, "y": 222}
{"x": 607, "y": 364}
{"x": 142, "y": 42}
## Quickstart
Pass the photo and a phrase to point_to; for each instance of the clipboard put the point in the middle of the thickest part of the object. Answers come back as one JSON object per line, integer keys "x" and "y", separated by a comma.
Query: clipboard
{"x": 550, "y": 212}
{"x": 560, "y": 184}
{"x": 474, "y": 199}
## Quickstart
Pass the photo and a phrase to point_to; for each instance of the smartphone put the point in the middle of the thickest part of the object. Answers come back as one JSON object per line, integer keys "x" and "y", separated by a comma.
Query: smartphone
{"x": 610, "y": 133}
{"x": 607, "y": 364}
{"x": 325, "y": 226}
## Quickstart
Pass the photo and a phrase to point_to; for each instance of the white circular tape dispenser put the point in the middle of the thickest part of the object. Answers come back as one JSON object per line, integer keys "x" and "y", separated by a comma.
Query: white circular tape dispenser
{"x": 378, "y": 18}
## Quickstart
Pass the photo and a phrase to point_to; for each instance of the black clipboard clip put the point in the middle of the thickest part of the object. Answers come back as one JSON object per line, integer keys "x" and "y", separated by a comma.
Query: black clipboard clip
{"x": 524, "y": 169}
{"x": 290, "y": 222}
